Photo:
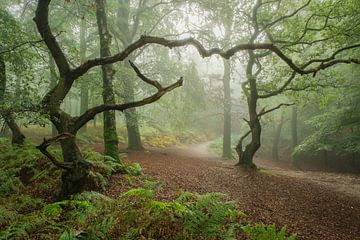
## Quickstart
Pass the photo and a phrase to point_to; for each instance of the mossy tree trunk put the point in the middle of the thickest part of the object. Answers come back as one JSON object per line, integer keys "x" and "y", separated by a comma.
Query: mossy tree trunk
{"x": 110, "y": 134}
{"x": 74, "y": 179}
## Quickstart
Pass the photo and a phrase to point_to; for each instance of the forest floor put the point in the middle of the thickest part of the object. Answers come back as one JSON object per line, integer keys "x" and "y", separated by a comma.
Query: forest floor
{"x": 316, "y": 205}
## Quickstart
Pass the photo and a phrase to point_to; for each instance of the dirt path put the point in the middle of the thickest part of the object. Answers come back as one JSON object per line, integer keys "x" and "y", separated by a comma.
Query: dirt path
{"x": 312, "y": 209}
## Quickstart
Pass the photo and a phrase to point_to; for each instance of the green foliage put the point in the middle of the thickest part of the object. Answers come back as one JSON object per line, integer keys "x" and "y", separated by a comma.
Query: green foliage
{"x": 133, "y": 169}
{"x": 210, "y": 215}
{"x": 7, "y": 216}
{"x": 103, "y": 167}
{"x": 136, "y": 214}
{"x": 26, "y": 164}
{"x": 190, "y": 216}
{"x": 336, "y": 125}
{"x": 266, "y": 232}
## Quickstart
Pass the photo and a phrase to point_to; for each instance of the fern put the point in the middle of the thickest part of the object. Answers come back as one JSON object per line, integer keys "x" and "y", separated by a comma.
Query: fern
{"x": 140, "y": 193}
{"x": 266, "y": 232}
{"x": 210, "y": 215}
{"x": 68, "y": 234}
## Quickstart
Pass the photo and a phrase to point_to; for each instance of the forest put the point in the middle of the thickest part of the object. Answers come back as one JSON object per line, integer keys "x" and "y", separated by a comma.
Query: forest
{"x": 180, "y": 119}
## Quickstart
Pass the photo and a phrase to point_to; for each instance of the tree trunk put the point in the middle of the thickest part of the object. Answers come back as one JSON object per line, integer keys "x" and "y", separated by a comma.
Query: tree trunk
{"x": 17, "y": 136}
{"x": 84, "y": 89}
{"x": 133, "y": 132}
{"x": 276, "y": 141}
{"x": 227, "y": 153}
{"x": 74, "y": 180}
{"x": 294, "y": 134}
{"x": 53, "y": 82}
{"x": 246, "y": 157}
{"x": 110, "y": 134}
{"x": 126, "y": 36}
{"x": 131, "y": 117}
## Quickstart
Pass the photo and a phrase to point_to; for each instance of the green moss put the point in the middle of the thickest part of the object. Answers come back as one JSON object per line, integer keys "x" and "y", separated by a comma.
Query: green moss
{"x": 111, "y": 143}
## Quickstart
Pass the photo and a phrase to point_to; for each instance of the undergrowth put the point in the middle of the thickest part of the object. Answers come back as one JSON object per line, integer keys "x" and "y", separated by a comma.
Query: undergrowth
{"x": 27, "y": 212}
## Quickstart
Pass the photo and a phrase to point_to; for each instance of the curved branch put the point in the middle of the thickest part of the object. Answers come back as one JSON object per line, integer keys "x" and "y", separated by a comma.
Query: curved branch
{"x": 281, "y": 89}
{"x": 263, "y": 112}
{"x": 144, "y": 78}
{"x": 42, "y": 22}
{"x": 47, "y": 142}
{"x": 91, "y": 113}
{"x": 145, "y": 40}
{"x": 286, "y": 16}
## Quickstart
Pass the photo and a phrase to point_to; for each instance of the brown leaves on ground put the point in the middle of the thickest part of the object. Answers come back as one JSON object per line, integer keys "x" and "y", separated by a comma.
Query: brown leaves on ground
{"x": 313, "y": 211}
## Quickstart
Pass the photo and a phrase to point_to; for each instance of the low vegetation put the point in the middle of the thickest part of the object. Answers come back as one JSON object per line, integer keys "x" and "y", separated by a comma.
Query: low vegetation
{"x": 30, "y": 208}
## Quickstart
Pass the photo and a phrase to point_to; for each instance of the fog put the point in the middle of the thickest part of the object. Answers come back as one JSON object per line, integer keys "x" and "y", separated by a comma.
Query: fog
{"x": 141, "y": 119}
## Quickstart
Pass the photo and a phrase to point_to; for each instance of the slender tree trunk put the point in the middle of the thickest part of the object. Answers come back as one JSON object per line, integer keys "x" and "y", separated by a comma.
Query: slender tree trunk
{"x": 84, "y": 89}
{"x": 133, "y": 131}
{"x": 294, "y": 134}
{"x": 17, "y": 136}
{"x": 227, "y": 153}
{"x": 110, "y": 134}
{"x": 246, "y": 156}
{"x": 131, "y": 116}
{"x": 276, "y": 141}
{"x": 53, "y": 82}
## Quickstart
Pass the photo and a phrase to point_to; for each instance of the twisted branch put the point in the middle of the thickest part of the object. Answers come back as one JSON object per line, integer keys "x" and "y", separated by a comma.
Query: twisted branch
{"x": 47, "y": 142}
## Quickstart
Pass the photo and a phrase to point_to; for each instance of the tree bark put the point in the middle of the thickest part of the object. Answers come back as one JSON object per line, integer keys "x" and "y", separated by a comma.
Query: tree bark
{"x": 246, "y": 156}
{"x": 73, "y": 180}
{"x": 294, "y": 134}
{"x": 227, "y": 153}
{"x": 53, "y": 82}
{"x": 84, "y": 89}
{"x": 110, "y": 134}
{"x": 17, "y": 138}
{"x": 131, "y": 116}
{"x": 276, "y": 141}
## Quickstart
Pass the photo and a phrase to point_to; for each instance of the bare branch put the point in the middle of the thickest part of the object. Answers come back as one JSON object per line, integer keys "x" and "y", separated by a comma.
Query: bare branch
{"x": 13, "y": 48}
{"x": 91, "y": 113}
{"x": 144, "y": 78}
{"x": 281, "y": 89}
{"x": 47, "y": 142}
{"x": 263, "y": 112}
{"x": 286, "y": 16}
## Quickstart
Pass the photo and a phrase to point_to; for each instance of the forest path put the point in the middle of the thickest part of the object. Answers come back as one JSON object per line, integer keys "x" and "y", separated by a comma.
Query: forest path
{"x": 270, "y": 195}
{"x": 348, "y": 184}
